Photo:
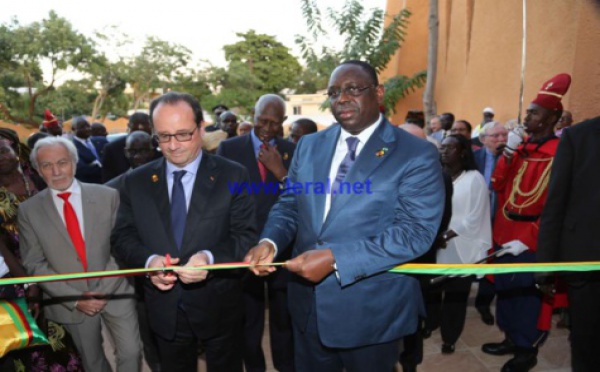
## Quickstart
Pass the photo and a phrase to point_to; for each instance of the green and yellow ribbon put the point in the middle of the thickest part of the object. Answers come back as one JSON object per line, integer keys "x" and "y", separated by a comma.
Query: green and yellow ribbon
{"x": 430, "y": 269}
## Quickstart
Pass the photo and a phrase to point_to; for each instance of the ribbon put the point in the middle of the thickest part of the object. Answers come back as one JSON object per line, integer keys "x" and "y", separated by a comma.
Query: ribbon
{"x": 432, "y": 269}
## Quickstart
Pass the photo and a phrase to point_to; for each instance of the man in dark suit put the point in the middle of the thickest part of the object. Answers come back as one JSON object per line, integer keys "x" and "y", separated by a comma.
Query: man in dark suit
{"x": 89, "y": 167}
{"x": 181, "y": 207}
{"x": 267, "y": 158}
{"x": 114, "y": 161}
{"x": 493, "y": 137}
{"x": 568, "y": 232}
{"x": 384, "y": 208}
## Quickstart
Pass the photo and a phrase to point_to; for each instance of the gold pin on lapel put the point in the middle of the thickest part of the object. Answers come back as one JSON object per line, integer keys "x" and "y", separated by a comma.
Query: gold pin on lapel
{"x": 381, "y": 152}
{"x": 285, "y": 156}
{"x": 154, "y": 178}
{"x": 212, "y": 178}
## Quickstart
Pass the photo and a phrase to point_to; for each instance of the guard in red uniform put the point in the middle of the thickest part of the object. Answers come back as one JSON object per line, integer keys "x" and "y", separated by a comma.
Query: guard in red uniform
{"x": 521, "y": 181}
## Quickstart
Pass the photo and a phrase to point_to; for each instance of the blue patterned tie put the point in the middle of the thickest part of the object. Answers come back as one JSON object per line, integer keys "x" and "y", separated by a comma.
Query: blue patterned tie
{"x": 345, "y": 166}
{"x": 178, "y": 208}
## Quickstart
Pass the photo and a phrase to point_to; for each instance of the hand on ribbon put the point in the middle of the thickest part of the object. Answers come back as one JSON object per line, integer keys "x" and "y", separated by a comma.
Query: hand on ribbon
{"x": 263, "y": 253}
{"x": 313, "y": 265}
{"x": 194, "y": 276}
{"x": 163, "y": 280}
{"x": 91, "y": 303}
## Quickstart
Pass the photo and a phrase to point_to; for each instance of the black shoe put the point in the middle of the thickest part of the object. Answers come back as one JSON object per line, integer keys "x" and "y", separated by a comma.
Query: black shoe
{"x": 499, "y": 348}
{"x": 486, "y": 316}
{"x": 522, "y": 362}
{"x": 447, "y": 348}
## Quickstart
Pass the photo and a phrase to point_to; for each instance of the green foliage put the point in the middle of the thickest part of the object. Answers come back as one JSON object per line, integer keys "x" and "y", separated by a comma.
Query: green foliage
{"x": 25, "y": 47}
{"x": 157, "y": 66}
{"x": 266, "y": 59}
{"x": 365, "y": 39}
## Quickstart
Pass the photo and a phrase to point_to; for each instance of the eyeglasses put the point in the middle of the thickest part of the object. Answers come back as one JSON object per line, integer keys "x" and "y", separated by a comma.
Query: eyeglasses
{"x": 180, "y": 137}
{"x": 349, "y": 91}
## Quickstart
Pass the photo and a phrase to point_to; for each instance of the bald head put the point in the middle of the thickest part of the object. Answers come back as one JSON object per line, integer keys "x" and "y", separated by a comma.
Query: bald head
{"x": 269, "y": 115}
{"x": 413, "y": 129}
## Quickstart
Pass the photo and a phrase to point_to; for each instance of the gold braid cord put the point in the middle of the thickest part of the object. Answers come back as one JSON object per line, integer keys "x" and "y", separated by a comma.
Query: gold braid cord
{"x": 531, "y": 197}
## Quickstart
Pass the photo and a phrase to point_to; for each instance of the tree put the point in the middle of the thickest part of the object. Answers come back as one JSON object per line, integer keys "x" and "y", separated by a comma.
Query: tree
{"x": 238, "y": 87}
{"x": 157, "y": 66}
{"x": 365, "y": 39}
{"x": 54, "y": 42}
{"x": 266, "y": 59}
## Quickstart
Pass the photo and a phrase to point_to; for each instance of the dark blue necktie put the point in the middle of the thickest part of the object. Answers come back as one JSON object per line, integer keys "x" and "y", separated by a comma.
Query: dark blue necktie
{"x": 345, "y": 166}
{"x": 178, "y": 207}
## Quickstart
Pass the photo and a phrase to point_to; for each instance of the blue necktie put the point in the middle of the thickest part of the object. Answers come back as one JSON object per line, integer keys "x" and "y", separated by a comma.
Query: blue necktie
{"x": 178, "y": 207}
{"x": 92, "y": 148}
{"x": 345, "y": 166}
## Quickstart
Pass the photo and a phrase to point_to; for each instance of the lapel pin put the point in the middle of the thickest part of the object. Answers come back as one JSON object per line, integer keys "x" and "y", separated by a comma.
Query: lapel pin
{"x": 285, "y": 156}
{"x": 212, "y": 178}
{"x": 154, "y": 178}
{"x": 381, "y": 152}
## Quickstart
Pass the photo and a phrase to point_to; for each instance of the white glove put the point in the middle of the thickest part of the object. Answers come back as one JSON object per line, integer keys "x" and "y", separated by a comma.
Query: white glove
{"x": 515, "y": 138}
{"x": 514, "y": 247}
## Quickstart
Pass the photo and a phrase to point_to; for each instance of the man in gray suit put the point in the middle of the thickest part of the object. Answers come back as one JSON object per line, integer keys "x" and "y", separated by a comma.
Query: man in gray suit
{"x": 66, "y": 228}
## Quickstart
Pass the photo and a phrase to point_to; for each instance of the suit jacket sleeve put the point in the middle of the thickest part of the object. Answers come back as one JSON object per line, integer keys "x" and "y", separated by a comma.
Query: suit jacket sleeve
{"x": 418, "y": 211}
{"x": 110, "y": 285}
{"x": 559, "y": 191}
{"x": 36, "y": 264}
{"x": 125, "y": 239}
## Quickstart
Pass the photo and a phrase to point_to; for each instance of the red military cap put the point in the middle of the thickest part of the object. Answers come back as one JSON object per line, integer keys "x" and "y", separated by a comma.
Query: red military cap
{"x": 49, "y": 119}
{"x": 553, "y": 91}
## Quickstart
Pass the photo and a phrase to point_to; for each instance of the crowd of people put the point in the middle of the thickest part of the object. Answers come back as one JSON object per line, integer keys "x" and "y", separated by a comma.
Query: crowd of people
{"x": 162, "y": 197}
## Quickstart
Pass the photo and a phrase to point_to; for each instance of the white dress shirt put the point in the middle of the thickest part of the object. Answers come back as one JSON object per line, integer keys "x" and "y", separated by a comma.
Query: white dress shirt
{"x": 75, "y": 200}
{"x": 341, "y": 149}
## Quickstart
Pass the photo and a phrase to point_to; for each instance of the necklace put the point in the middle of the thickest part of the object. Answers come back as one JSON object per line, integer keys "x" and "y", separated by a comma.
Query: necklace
{"x": 28, "y": 191}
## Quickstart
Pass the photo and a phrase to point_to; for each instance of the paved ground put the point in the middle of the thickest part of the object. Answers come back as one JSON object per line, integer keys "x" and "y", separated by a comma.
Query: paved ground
{"x": 554, "y": 355}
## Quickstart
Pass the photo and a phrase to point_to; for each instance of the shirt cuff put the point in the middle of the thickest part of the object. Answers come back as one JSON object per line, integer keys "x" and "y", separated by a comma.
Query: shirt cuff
{"x": 272, "y": 242}
{"x": 149, "y": 259}
{"x": 211, "y": 258}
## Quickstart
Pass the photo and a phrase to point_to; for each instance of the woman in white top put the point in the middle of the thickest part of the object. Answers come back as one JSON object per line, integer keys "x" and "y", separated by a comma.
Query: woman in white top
{"x": 469, "y": 235}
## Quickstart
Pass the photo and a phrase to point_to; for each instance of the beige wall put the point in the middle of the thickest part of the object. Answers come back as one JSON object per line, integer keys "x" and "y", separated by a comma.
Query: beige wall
{"x": 479, "y": 54}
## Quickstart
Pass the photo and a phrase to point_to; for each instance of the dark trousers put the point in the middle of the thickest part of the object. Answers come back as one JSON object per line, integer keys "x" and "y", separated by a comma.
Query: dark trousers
{"x": 312, "y": 356}
{"x": 223, "y": 351}
{"x": 485, "y": 294}
{"x": 280, "y": 327}
{"x": 148, "y": 340}
{"x": 584, "y": 312}
{"x": 449, "y": 307}
{"x": 518, "y": 304}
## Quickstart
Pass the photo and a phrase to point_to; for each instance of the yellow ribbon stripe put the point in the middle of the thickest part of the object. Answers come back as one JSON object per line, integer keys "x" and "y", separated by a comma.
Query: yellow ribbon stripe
{"x": 432, "y": 269}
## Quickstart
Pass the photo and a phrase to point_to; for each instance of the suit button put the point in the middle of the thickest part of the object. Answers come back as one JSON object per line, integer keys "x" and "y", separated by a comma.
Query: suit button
{"x": 320, "y": 242}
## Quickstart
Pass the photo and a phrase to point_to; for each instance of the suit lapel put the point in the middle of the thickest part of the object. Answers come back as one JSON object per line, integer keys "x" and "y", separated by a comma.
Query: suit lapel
{"x": 206, "y": 178}
{"x": 327, "y": 145}
{"x": 54, "y": 218}
{"x": 380, "y": 147}
{"x": 160, "y": 196}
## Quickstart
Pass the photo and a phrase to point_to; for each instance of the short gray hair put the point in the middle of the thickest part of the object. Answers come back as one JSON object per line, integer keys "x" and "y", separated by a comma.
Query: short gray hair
{"x": 486, "y": 128}
{"x": 53, "y": 141}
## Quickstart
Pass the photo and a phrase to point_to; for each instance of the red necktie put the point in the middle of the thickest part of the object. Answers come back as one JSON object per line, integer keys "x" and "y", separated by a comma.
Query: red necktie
{"x": 73, "y": 228}
{"x": 261, "y": 167}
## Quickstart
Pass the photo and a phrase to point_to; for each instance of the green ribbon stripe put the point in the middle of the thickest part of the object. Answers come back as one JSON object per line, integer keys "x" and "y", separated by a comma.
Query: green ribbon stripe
{"x": 431, "y": 269}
